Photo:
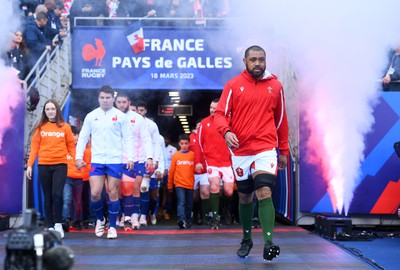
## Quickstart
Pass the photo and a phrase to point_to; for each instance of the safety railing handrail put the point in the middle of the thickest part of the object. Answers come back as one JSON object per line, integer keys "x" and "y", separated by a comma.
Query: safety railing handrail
{"x": 49, "y": 62}
{"x": 146, "y": 18}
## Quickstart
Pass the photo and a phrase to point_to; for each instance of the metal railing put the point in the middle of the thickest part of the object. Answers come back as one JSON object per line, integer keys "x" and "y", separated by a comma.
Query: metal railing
{"x": 200, "y": 21}
{"x": 52, "y": 77}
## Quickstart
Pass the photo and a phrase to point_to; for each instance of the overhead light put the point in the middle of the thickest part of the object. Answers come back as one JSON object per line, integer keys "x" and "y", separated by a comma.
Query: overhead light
{"x": 187, "y": 131}
{"x": 185, "y": 126}
{"x": 173, "y": 98}
{"x": 182, "y": 116}
{"x": 184, "y": 122}
{"x": 173, "y": 94}
{"x": 176, "y": 101}
{"x": 175, "y": 105}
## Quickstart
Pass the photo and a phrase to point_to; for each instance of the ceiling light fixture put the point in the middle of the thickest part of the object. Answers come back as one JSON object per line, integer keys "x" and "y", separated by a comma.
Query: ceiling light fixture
{"x": 173, "y": 94}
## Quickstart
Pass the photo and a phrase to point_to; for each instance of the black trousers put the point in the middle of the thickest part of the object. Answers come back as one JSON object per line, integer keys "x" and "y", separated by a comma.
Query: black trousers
{"x": 52, "y": 179}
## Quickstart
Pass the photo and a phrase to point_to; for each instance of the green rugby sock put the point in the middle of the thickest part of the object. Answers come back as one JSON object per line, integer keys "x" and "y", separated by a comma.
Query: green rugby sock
{"x": 205, "y": 208}
{"x": 266, "y": 215}
{"x": 214, "y": 203}
{"x": 246, "y": 215}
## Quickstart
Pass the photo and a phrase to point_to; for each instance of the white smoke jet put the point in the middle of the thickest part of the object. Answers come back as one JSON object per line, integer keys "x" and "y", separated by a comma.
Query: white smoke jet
{"x": 339, "y": 49}
{"x": 10, "y": 93}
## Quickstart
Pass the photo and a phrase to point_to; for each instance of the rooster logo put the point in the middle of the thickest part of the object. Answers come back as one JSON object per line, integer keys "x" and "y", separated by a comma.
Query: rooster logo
{"x": 89, "y": 52}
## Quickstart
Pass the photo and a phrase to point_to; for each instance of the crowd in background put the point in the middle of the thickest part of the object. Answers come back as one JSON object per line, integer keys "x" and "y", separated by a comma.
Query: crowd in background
{"x": 44, "y": 23}
{"x": 151, "y": 8}
{"x": 391, "y": 78}
{"x": 42, "y": 29}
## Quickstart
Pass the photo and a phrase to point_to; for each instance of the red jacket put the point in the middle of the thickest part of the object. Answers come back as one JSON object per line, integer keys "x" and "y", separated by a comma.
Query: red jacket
{"x": 257, "y": 114}
{"x": 211, "y": 144}
{"x": 193, "y": 140}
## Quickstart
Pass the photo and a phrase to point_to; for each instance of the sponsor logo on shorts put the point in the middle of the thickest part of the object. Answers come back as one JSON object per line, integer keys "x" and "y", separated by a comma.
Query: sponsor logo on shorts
{"x": 239, "y": 171}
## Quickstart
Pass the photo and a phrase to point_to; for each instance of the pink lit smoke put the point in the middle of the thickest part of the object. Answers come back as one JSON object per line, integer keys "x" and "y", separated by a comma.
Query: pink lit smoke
{"x": 10, "y": 89}
{"x": 339, "y": 49}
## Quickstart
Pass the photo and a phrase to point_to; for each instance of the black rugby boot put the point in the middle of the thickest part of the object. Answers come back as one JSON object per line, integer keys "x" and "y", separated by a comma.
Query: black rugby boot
{"x": 245, "y": 247}
{"x": 271, "y": 251}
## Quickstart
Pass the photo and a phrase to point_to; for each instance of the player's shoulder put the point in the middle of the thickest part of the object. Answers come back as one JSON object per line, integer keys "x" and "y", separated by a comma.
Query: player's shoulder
{"x": 272, "y": 80}
{"x": 134, "y": 115}
{"x": 173, "y": 148}
{"x": 114, "y": 110}
{"x": 150, "y": 122}
{"x": 206, "y": 120}
{"x": 93, "y": 114}
{"x": 237, "y": 83}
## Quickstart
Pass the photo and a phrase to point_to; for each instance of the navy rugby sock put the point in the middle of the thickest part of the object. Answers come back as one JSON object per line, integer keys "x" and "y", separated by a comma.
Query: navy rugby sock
{"x": 144, "y": 207}
{"x": 128, "y": 205}
{"x": 97, "y": 208}
{"x": 113, "y": 211}
{"x": 136, "y": 205}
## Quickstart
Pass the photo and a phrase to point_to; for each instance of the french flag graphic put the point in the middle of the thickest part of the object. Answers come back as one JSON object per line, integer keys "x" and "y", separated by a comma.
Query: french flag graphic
{"x": 135, "y": 37}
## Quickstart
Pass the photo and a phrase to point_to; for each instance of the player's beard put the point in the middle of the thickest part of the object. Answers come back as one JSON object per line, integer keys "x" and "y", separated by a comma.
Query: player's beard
{"x": 256, "y": 72}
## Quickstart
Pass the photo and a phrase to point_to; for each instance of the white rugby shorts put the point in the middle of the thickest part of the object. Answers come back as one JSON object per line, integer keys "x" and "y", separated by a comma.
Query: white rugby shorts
{"x": 225, "y": 173}
{"x": 244, "y": 166}
{"x": 200, "y": 179}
